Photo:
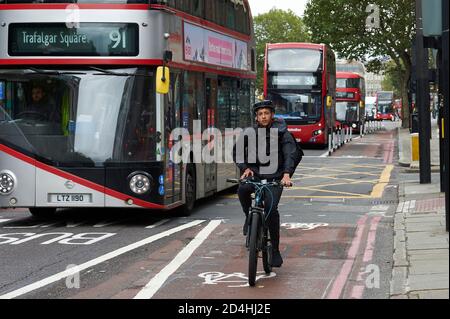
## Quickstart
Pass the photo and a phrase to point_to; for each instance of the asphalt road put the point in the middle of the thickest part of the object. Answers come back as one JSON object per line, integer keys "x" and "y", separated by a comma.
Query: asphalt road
{"x": 336, "y": 240}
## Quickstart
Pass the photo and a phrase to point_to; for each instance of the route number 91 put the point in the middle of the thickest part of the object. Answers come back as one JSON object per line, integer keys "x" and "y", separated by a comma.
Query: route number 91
{"x": 118, "y": 37}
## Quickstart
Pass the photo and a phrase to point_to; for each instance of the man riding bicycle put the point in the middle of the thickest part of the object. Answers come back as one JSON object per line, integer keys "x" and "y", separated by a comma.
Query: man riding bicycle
{"x": 288, "y": 157}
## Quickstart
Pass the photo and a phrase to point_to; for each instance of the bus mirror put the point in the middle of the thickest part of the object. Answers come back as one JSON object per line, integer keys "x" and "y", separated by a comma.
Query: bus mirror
{"x": 329, "y": 101}
{"x": 162, "y": 80}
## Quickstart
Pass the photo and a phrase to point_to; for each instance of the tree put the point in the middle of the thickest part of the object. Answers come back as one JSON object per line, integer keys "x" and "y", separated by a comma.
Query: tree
{"x": 276, "y": 26}
{"x": 369, "y": 33}
{"x": 392, "y": 79}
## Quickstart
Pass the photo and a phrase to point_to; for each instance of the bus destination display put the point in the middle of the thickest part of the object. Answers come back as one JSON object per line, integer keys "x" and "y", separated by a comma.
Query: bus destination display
{"x": 293, "y": 80}
{"x": 88, "y": 39}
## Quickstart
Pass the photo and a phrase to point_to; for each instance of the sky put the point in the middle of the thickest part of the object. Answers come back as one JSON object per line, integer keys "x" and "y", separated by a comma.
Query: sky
{"x": 263, "y": 6}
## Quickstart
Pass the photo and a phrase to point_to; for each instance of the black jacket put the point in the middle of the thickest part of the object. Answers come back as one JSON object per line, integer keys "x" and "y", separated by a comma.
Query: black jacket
{"x": 287, "y": 153}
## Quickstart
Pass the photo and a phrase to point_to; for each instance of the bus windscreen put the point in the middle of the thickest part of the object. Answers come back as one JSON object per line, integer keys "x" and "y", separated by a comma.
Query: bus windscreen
{"x": 297, "y": 107}
{"x": 294, "y": 60}
{"x": 347, "y": 83}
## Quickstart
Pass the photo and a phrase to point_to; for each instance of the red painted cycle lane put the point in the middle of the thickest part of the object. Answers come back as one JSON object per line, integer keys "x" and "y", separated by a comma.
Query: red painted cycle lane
{"x": 218, "y": 269}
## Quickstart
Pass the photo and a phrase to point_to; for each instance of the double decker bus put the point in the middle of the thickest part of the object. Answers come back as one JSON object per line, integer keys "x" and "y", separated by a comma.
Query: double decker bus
{"x": 385, "y": 106}
{"x": 91, "y": 91}
{"x": 350, "y": 99}
{"x": 300, "y": 78}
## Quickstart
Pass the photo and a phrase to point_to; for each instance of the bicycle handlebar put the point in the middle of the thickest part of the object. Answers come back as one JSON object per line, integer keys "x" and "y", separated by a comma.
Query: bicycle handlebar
{"x": 246, "y": 181}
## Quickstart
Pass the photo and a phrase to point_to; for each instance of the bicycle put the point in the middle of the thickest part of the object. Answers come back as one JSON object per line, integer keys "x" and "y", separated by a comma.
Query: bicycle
{"x": 258, "y": 236}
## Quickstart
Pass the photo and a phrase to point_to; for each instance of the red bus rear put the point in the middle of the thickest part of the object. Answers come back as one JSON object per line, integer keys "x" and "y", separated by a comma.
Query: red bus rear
{"x": 299, "y": 78}
{"x": 350, "y": 100}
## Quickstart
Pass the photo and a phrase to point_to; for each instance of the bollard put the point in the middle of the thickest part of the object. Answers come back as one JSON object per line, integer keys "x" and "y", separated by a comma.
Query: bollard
{"x": 415, "y": 147}
{"x": 330, "y": 144}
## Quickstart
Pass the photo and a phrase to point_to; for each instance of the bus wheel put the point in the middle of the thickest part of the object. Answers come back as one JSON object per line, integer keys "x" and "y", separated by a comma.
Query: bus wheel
{"x": 43, "y": 213}
{"x": 189, "y": 191}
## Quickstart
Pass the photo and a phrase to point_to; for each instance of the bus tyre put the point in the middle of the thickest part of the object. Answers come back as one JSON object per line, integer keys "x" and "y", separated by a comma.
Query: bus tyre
{"x": 43, "y": 213}
{"x": 253, "y": 250}
{"x": 189, "y": 191}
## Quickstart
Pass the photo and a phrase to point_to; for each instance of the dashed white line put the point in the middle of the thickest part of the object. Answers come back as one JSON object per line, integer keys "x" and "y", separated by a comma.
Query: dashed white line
{"x": 72, "y": 271}
{"x": 158, "y": 224}
{"x": 153, "y": 286}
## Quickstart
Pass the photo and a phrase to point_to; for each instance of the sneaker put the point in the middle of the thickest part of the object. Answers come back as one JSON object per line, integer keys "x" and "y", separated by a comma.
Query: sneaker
{"x": 245, "y": 228}
{"x": 277, "y": 261}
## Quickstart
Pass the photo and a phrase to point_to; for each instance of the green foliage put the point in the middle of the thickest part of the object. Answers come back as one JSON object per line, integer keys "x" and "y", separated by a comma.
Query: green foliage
{"x": 393, "y": 79}
{"x": 276, "y": 26}
{"x": 342, "y": 25}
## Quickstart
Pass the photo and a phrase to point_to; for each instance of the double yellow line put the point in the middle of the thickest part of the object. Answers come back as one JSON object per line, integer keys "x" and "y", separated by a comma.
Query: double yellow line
{"x": 378, "y": 189}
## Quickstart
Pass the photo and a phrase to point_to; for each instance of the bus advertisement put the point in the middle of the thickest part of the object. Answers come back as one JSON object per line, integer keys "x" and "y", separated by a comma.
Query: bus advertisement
{"x": 87, "y": 109}
{"x": 385, "y": 106}
{"x": 350, "y": 100}
{"x": 300, "y": 79}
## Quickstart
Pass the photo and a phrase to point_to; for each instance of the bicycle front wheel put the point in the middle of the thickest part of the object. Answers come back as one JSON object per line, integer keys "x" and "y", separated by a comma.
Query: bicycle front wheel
{"x": 267, "y": 252}
{"x": 253, "y": 250}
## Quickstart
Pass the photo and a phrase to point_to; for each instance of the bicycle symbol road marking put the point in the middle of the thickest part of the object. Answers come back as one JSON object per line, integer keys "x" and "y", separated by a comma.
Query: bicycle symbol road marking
{"x": 305, "y": 226}
{"x": 238, "y": 279}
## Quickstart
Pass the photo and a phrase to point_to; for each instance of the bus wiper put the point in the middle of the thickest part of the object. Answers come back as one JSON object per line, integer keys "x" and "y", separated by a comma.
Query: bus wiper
{"x": 45, "y": 72}
{"x": 108, "y": 72}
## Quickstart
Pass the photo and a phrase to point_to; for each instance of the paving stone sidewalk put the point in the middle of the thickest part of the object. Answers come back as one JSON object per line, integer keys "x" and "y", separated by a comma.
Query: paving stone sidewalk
{"x": 421, "y": 243}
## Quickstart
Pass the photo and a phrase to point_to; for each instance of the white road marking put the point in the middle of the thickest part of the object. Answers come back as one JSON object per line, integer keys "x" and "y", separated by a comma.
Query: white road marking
{"x": 73, "y": 224}
{"x": 400, "y": 207}
{"x": 214, "y": 278}
{"x": 158, "y": 224}
{"x": 25, "y": 227}
{"x": 108, "y": 222}
{"x": 72, "y": 271}
{"x": 153, "y": 286}
{"x": 4, "y": 220}
{"x": 305, "y": 226}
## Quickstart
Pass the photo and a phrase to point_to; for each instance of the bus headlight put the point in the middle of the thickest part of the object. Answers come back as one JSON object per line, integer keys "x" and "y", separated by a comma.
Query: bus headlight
{"x": 140, "y": 183}
{"x": 7, "y": 182}
{"x": 318, "y": 132}
{"x": 354, "y": 125}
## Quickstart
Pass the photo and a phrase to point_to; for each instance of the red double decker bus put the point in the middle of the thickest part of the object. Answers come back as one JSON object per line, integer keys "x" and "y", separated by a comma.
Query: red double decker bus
{"x": 300, "y": 78}
{"x": 350, "y": 100}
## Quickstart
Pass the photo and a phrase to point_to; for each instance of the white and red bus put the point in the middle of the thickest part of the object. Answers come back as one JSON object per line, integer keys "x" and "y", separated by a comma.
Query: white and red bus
{"x": 300, "y": 78}
{"x": 350, "y": 100}
{"x": 86, "y": 115}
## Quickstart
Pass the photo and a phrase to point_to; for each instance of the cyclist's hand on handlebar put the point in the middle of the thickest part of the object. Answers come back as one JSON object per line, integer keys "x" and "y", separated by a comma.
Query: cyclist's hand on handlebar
{"x": 286, "y": 181}
{"x": 248, "y": 172}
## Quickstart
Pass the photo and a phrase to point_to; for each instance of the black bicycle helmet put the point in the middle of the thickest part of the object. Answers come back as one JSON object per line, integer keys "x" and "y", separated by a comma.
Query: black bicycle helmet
{"x": 266, "y": 104}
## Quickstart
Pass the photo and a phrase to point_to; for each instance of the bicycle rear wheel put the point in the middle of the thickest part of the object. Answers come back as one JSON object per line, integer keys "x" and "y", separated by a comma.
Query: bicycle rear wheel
{"x": 253, "y": 250}
{"x": 267, "y": 252}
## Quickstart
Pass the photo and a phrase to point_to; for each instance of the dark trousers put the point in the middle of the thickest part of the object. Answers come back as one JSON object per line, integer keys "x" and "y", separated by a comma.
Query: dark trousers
{"x": 270, "y": 209}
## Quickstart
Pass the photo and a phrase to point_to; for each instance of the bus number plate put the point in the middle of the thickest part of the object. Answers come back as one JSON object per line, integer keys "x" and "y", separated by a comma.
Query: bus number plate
{"x": 70, "y": 198}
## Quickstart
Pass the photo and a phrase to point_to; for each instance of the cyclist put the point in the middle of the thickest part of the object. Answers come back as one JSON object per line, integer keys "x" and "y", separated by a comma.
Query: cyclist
{"x": 288, "y": 158}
